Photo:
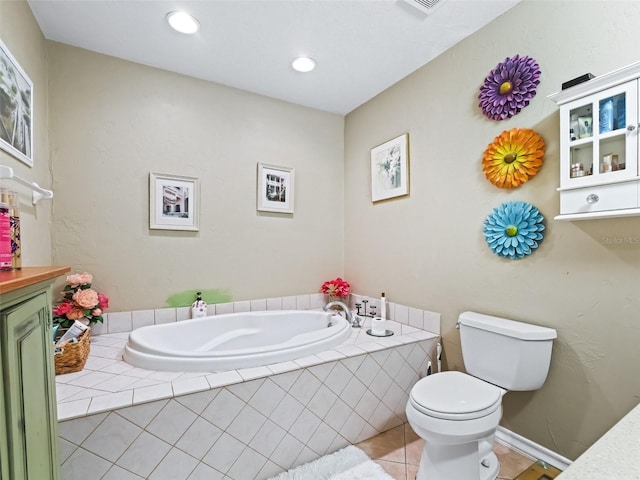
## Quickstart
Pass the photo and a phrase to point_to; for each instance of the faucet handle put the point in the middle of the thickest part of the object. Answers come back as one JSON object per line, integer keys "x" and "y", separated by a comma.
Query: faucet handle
{"x": 358, "y": 307}
{"x": 373, "y": 310}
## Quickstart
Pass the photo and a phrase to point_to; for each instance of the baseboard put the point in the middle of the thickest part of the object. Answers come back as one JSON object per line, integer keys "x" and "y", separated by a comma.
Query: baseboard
{"x": 511, "y": 439}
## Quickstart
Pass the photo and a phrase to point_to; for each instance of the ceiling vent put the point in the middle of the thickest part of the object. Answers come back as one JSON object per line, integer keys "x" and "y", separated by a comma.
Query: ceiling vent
{"x": 426, "y": 6}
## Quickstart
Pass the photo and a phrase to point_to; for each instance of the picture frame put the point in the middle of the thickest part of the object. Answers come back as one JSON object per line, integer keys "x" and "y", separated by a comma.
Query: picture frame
{"x": 390, "y": 169}
{"x": 16, "y": 108}
{"x": 174, "y": 202}
{"x": 276, "y": 188}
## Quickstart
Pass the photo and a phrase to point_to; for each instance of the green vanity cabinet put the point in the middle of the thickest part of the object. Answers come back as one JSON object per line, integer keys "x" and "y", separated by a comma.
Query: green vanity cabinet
{"x": 28, "y": 419}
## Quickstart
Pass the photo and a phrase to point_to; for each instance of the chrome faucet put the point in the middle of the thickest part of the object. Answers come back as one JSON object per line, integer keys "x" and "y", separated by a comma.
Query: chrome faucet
{"x": 354, "y": 321}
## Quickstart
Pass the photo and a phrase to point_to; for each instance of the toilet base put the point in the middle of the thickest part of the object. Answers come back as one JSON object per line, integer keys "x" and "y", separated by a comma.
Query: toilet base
{"x": 457, "y": 462}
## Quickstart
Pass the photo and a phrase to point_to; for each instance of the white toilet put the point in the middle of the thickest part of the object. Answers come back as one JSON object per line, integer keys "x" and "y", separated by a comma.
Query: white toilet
{"x": 457, "y": 413}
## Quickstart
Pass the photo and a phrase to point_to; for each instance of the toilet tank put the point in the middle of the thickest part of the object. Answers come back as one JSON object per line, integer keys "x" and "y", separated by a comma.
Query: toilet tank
{"x": 513, "y": 355}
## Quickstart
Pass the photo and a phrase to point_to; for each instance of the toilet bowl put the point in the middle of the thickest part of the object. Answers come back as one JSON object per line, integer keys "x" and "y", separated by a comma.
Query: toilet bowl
{"x": 454, "y": 413}
{"x": 457, "y": 413}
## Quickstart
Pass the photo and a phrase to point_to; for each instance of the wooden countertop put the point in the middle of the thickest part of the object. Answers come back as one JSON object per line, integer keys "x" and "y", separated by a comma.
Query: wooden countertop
{"x": 14, "y": 279}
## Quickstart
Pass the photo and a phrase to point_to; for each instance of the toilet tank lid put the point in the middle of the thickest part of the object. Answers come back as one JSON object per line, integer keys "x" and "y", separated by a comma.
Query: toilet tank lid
{"x": 503, "y": 326}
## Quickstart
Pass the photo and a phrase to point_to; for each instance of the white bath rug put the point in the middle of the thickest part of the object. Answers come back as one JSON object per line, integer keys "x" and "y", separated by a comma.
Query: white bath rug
{"x": 350, "y": 463}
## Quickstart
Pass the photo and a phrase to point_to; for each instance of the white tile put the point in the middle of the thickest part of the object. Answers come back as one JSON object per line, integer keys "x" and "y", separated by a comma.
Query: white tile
{"x": 274, "y": 303}
{"x": 81, "y": 462}
{"x": 112, "y": 437}
{"x": 321, "y": 403}
{"x": 164, "y": 376}
{"x": 246, "y": 424}
{"x": 224, "y": 453}
{"x": 190, "y": 385}
{"x": 211, "y": 309}
{"x": 118, "y": 473}
{"x": 305, "y": 387}
{"x": 142, "y": 318}
{"x": 142, "y": 414}
{"x": 106, "y": 352}
{"x": 267, "y": 397}
{"x": 330, "y": 355}
{"x": 154, "y": 392}
{"x": 76, "y": 431}
{"x": 171, "y": 422}
{"x": 353, "y": 392}
{"x": 316, "y": 300}
{"x": 224, "y": 308}
{"x": 118, "y": 367}
{"x": 98, "y": 363}
{"x": 84, "y": 393}
{"x": 100, "y": 328}
{"x": 64, "y": 391}
{"x": 338, "y": 378}
{"x": 380, "y": 384}
{"x": 119, "y": 322}
{"x": 165, "y": 315}
{"x": 401, "y": 314}
{"x": 432, "y": 322}
{"x": 416, "y": 317}
{"x": 65, "y": 449}
{"x": 176, "y": 465}
{"x": 267, "y": 438}
{"x": 224, "y": 378}
{"x": 422, "y": 335}
{"x": 255, "y": 372}
{"x": 117, "y": 383}
{"x": 205, "y": 472}
{"x": 393, "y": 363}
{"x": 321, "y": 372}
{"x": 91, "y": 380}
{"x": 302, "y": 302}
{"x": 338, "y": 415}
{"x": 248, "y": 465}
{"x": 283, "y": 367}
{"x": 144, "y": 455}
{"x": 304, "y": 426}
{"x": 241, "y": 307}
{"x": 352, "y": 427}
{"x": 199, "y": 438}
{"x": 287, "y": 379}
{"x": 245, "y": 390}
{"x": 287, "y": 412}
{"x": 354, "y": 360}
{"x": 321, "y": 439}
{"x": 269, "y": 470}
{"x": 183, "y": 313}
{"x": 197, "y": 402}
{"x": 287, "y": 451}
{"x": 308, "y": 361}
{"x": 259, "y": 305}
{"x": 78, "y": 408}
{"x": 223, "y": 409}
{"x": 111, "y": 401}
{"x": 289, "y": 303}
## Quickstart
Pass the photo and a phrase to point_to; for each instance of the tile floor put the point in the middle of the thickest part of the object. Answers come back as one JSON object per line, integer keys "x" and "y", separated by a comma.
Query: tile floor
{"x": 398, "y": 452}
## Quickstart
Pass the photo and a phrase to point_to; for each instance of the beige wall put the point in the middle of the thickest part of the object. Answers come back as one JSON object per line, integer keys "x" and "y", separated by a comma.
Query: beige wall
{"x": 429, "y": 251}
{"x": 113, "y": 122}
{"x": 22, "y": 36}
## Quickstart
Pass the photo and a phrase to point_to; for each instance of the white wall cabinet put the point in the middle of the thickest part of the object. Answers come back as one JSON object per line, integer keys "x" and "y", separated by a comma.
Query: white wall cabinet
{"x": 599, "y": 172}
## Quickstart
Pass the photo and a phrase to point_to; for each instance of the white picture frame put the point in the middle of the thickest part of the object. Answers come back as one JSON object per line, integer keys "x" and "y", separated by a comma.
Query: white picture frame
{"x": 16, "y": 108}
{"x": 174, "y": 202}
{"x": 390, "y": 169}
{"x": 276, "y": 189}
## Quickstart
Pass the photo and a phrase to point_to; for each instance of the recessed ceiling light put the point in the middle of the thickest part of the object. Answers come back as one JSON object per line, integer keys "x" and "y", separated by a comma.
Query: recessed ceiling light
{"x": 183, "y": 22}
{"x": 303, "y": 64}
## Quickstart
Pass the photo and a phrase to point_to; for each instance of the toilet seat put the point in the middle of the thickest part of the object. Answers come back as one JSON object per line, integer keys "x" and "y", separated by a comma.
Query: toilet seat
{"x": 455, "y": 396}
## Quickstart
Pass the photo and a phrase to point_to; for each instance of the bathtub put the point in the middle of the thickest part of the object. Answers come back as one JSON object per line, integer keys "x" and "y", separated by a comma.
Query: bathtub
{"x": 236, "y": 340}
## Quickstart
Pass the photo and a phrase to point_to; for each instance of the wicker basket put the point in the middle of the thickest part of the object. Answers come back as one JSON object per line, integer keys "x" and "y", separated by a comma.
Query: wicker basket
{"x": 73, "y": 355}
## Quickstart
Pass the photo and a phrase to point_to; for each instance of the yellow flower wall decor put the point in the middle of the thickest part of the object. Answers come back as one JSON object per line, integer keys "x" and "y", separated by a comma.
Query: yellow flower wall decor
{"x": 513, "y": 157}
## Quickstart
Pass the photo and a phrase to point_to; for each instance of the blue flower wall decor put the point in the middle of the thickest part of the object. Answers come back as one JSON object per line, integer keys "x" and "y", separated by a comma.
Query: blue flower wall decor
{"x": 514, "y": 229}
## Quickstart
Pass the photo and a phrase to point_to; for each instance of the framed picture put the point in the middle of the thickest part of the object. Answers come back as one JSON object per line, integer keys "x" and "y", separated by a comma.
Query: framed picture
{"x": 390, "y": 169}
{"x": 275, "y": 188}
{"x": 16, "y": 108}
{"x": 173, "y": 202}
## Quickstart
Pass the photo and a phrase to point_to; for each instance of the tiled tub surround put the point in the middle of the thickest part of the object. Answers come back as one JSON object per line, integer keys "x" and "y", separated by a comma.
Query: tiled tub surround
{"x": 120, "y": 422}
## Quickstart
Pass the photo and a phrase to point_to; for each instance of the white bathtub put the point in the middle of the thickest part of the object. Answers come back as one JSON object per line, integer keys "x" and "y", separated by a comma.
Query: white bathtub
{"x": 236, "y": 340}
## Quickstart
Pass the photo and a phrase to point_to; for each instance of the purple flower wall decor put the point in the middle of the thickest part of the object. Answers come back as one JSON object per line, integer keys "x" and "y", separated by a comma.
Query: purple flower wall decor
{"x": 509, "y": 87}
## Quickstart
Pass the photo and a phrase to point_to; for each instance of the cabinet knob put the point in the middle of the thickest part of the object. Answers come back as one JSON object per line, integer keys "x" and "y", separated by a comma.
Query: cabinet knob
{"x": 592, "y": 198}
{"x": 631, "y": 128}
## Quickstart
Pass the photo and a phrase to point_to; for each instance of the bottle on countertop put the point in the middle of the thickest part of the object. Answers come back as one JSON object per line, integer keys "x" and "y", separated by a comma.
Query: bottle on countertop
{"x": 5, "y": 232}
{"x": 14, "y": 220}
{"x": 199, "y": 307}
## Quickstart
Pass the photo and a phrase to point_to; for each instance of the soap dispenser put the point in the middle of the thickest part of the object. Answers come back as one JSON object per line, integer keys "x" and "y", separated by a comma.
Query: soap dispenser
{"x": 199, "y": 307}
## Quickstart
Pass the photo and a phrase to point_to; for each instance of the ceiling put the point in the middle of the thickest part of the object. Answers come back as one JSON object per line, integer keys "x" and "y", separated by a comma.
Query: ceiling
{"x": 361, "y": 47}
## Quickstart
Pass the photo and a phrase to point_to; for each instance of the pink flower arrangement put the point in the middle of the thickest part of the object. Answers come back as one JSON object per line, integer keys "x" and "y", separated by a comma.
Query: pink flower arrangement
{"x": 336, "y": 288}
{"x": 80, "y": 301}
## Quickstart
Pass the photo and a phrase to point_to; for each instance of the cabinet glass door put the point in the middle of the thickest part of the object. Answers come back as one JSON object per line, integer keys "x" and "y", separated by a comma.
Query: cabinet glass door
{"x": 602, "y": 137}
